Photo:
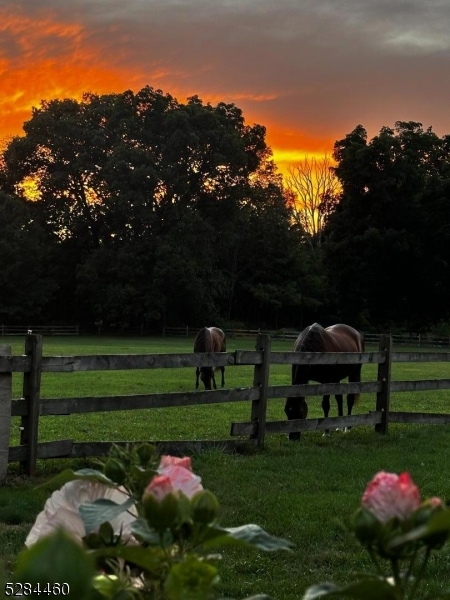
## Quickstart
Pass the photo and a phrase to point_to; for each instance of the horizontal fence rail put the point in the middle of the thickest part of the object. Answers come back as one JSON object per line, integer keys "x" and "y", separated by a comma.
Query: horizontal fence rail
{"x": 6, "y": 330}
{"x": 31, "y": 407}
{"x": 412, "y": 339}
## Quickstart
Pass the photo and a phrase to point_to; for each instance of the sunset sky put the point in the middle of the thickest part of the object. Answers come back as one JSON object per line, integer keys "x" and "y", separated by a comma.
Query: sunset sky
{"x": 309, "y": 70}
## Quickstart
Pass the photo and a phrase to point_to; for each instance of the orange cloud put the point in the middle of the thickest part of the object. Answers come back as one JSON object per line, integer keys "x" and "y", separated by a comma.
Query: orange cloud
{"x": 52, "y": 59}
{"x": 44, "y": 57}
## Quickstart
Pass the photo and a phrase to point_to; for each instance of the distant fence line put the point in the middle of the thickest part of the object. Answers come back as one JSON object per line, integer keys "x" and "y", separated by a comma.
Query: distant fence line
{"x": 31, "y": 407}
{"x": 9, "y": 330}
{"x": 412, "y": 339}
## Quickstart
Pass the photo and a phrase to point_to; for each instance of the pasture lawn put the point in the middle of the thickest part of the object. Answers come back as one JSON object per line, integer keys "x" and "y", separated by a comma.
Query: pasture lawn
{"x": 305, "y": 491}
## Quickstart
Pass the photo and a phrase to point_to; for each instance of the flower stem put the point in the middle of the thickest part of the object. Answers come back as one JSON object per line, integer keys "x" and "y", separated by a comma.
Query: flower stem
{"x": 374, "y": 559}
{"x": 397, "y": 577}
{"x": 420, "y": 574}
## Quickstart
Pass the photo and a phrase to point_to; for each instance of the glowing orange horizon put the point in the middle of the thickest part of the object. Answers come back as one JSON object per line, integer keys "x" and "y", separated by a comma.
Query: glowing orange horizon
{"x": 43, "y": 74}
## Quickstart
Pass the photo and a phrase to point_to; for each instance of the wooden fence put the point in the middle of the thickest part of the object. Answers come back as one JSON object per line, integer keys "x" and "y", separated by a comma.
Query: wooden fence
{"x": 31, "y": 407}
{"x": 186, "y": 331}
{"x": 8, "y": 330}
{"x": 406, "y": 339}
{"x": 411, "y": 339}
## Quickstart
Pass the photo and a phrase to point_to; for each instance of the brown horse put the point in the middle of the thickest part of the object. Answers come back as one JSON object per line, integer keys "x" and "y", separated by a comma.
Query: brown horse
{"x": 209, "y": 339}
{"x": 337, "y": 338}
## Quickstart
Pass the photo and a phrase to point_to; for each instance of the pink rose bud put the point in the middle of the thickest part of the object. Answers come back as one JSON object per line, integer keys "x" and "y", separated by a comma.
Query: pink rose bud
{"x": 389, "y": 495}
{"x": 435, "y": 502}
{"x": 159, "y": 487}
{"x": 160, "y": 503}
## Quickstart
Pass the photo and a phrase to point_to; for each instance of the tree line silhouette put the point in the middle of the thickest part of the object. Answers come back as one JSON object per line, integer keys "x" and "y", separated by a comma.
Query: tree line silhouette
{"x": 135, "y": 210}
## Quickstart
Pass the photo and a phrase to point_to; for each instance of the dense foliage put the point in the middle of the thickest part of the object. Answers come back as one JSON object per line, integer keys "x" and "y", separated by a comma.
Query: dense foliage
{"x": 387, "y": 251}
{"x": 135, "y": 210}
{"x": 155, "y": 212}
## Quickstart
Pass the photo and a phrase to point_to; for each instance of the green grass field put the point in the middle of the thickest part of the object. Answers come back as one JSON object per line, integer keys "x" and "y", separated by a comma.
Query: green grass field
{"x": 302, "y": 491}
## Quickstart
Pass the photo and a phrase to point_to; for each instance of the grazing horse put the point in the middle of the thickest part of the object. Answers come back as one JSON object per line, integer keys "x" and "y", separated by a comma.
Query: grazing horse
{"x": 337, "y": 338}
{"x": 209, "y": 339}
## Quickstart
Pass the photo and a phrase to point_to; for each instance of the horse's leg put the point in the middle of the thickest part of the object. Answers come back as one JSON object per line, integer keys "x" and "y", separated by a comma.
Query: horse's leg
{"x": 326, "y": 412}
{"x": 340, "y": 405}
{"x": 299, "y": 410}
{"x": 213, "y": 379}
{"x": 350, "y": 403}
{"x": 223, "y": 375}
{"x": 197, "y": 375}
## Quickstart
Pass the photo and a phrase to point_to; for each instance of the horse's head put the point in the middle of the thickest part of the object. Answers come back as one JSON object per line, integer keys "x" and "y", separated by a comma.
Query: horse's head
{"x": 296, "y": 408}
{"x": 206, "y": 375}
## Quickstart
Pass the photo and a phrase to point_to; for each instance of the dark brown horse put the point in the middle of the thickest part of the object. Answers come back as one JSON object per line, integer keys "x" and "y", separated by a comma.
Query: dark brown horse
{"x": 209, "y": 339}
{"x": 337, "y": 338}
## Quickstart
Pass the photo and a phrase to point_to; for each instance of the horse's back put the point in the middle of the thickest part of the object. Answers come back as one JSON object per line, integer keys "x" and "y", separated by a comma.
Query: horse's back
{"x": 210, "y": 339}
{"x": 220, "y": 338}
{"x": 336, "y": 338}
{"x": 344, "y": 338}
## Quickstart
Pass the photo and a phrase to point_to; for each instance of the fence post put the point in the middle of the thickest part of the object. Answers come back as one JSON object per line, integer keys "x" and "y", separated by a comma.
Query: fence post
{"x": 31, "y": 393}
{"x": 5, "y": 414}
{"x": 384, "y": 375}
{"x": 261, "y": 380}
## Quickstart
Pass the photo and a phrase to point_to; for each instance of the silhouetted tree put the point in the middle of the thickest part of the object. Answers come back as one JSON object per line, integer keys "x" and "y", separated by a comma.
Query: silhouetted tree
{"x": 26, "y": 282}
{"x": 385, "y": 246}
{"x": 146, "y": 203}
{"x": 314, "y": 187}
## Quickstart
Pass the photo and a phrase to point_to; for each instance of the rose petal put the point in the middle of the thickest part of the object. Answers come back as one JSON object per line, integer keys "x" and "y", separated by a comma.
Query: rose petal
{"x": 61, "y": 510}
{"x": 168, "y": 461}
{"x": 389, "y": 495}
{"x": 183, "y": 480}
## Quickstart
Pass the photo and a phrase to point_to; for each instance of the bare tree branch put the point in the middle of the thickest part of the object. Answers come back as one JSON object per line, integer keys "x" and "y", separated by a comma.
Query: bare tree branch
{"x": 314, "y": 185}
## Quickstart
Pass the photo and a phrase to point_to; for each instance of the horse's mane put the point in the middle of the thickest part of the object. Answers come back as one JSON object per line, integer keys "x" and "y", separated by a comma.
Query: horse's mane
{"x": 312, "y": 339}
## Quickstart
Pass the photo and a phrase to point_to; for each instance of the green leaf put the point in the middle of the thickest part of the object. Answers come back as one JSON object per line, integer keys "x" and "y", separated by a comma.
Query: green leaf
{"x": 438, "y": 525}
{"x": 143, "y": 532}
{"x": 246, "y": 535}
{"x": 320, "y": 590}
{"x": 102, "y": 510}
{"x": 69, "y": 475}
{"x": 150, "y": 559}
{"x": 57, "y": 558}
{"x": 366, "y": 589}
{"x": 93, "y": 475}
{"x": 191, "y": 579}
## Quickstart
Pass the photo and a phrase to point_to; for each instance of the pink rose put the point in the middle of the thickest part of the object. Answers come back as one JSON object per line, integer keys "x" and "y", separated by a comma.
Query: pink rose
{"x": 169, "y": 461}
{"x": 182, "y": 479}
{"x": 174, "y": 475}
{"x": 389, "y": 495}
